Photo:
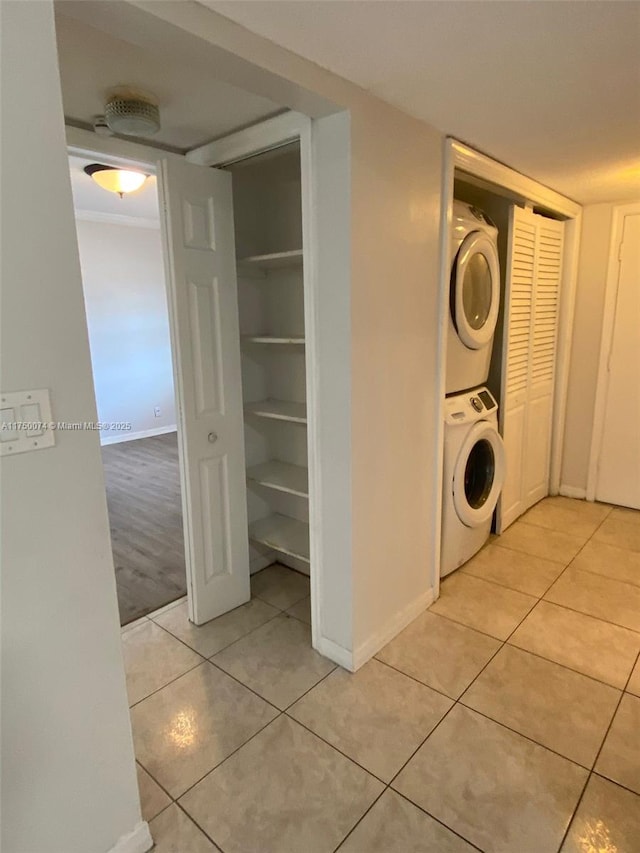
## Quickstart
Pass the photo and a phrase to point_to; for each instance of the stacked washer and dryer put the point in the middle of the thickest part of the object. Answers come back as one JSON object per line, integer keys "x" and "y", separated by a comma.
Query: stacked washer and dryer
{"x": 474, "y": 458}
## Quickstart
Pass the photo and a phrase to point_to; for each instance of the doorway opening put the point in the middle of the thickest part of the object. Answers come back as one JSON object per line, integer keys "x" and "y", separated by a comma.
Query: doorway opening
{"x": 123, "y": 278}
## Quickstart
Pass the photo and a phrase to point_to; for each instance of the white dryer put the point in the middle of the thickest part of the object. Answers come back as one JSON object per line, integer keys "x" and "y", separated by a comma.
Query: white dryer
{"x": 473, "y": 475}
{"x": 474, "y": 297}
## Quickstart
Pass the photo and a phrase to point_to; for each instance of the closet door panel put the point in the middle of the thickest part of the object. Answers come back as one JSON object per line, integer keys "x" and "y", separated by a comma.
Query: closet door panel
{"x": 534, "y": 267}
{"x": 515, "y": 362}
{"x": 200, "y": 262}
{"x": 509, "y": 507}
{"x": 537, "y": 446}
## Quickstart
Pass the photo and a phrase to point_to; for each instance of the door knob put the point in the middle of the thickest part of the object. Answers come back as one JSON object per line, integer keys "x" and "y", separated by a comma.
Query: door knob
{"x": 212, "y": 437}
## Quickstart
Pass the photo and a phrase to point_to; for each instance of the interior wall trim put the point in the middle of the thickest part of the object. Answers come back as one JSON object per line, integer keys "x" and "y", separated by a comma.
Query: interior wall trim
{"x": 133, "y": 436}
{"x": 573, "y": 492}
{"x": 117, "y": 219}
{"x": 365, "y": 651}
{"x": 139, "y": 840}
{"x": 114, "y": 151}
{"x": 468, "y": 160}
{"x": 272, "y": 133}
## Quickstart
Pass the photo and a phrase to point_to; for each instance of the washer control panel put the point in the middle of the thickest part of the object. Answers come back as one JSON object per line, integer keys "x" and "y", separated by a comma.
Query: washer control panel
{"x": 469, "y": 406}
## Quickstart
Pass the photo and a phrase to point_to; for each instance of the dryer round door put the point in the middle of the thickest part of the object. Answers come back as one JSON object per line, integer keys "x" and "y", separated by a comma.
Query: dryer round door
{"x": 478, "y": 475}
{"x": 475, "y": 290}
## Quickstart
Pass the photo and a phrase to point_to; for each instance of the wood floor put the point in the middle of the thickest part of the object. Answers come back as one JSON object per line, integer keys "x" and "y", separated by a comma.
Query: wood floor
{"x": 145, "y": 515}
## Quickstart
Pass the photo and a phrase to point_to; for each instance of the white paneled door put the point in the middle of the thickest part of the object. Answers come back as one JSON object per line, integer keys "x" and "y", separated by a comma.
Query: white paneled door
{"x": 618, "y": 478}
{"x": 201, "y": 270}
{"x": 534, "y": 270}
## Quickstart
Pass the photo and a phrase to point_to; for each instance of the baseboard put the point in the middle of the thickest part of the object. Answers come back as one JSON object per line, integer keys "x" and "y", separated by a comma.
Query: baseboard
{"x": 573, "y": 492}
{"x": 353, "y": 660}
{"x": 260, "y": 562}
{"x": 139, "y": 840}
{"x": 338, "y": 654}
{"x": 397, "y": 623}
{"x": 132, "y": 436}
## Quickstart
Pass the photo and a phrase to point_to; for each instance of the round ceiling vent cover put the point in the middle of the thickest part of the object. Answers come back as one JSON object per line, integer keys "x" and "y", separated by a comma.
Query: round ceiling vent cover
{"x": 132, "y": 116}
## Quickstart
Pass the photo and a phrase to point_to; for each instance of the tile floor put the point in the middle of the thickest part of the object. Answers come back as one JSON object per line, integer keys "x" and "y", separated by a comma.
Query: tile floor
{"x": 505, "y": 719}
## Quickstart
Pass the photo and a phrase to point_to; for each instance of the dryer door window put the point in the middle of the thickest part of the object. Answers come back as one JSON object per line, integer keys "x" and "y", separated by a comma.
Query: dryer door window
{"x": 475, "y": 290}
{"x": 478, "y": 475}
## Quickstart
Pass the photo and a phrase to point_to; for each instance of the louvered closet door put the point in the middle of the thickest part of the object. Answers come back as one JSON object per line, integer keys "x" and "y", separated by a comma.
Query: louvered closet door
{"x": 531, "y": 321}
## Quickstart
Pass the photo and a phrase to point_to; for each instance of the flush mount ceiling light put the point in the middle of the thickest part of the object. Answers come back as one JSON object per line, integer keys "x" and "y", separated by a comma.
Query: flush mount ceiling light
{"x": 115, "y": 180}
{"x": 132, "y": 113}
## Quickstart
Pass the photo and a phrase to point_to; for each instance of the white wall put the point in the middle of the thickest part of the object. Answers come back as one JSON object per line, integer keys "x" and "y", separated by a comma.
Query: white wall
{"x": 69, "y": 783}
{"x": 395, "y": 191}
{"x": 585, "y": 349}
{"x": 127, "y": 316}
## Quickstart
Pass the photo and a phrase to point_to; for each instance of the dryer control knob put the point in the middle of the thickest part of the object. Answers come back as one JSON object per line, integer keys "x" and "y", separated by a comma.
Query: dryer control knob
{"x": 476, "y": 402}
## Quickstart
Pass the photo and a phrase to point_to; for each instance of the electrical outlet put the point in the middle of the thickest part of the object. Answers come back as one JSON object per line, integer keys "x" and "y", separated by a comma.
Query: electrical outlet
{"x": 156, "y": 412}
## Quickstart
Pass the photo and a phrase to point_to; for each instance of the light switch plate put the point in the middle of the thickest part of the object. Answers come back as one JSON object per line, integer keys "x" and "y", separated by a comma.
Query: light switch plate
{"x": 25, "y": 421}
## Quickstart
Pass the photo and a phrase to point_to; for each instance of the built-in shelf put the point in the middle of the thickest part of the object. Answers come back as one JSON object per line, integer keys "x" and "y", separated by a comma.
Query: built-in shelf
{"x": 279, "y": 410}
{"x": 275, "y": 260}
{"x": 281, "y": 476}
{"x": 281, "y": 533}
{"x": 273, "y": 339}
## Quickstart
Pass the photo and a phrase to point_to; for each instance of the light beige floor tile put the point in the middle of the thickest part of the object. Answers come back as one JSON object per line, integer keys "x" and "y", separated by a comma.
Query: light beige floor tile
{"x": 440, "y": 653}
{"x": 619, "y": 531}
{"x": 302, "y": 610}
{"x": 186, "y": 729}
{"x": 221, "y": 632}
{"x": 548, "y": 544}
{"x": 634, "y": 682}
{"x": 481, "y": 604}
{"x": 594, "y": 510}
{"x": 567, "y": 516}
{"x": 395, "y": 825}
{"x": 376, "y": 716}
{"x": 627, "y": 514}
{"x": 152, "y": 798}
{"x": 153, "y": 658}
{"x": 514, "y": 569}
{"x": 620, "y": 756}
{"x": 610, "y": 561}
{"x": 155, "y": 613}
{"x": 584, "y": 643}
{"x": 280, "y": 587}
{"x": 276, "y": 660}
{"x": 553, "y": 705}
{"x": 286, "y": 791}
{"x": 136, "y": 623}
{"x": 173, "y": 832}
{"x": 598, "y": 596}
{"x": 607, "y": 820}
{"x": 499, "y": 790}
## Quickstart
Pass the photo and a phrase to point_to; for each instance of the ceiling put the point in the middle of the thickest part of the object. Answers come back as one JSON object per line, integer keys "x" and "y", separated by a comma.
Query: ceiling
{"x": 194, "y": 107}
{"x": 549, "y": 88}
{"x": 88, "y": 196}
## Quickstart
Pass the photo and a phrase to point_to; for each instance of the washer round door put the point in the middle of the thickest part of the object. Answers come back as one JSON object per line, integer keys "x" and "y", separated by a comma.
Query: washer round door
{"x": 475, "y": 290}
{"x": 478, "y": 475}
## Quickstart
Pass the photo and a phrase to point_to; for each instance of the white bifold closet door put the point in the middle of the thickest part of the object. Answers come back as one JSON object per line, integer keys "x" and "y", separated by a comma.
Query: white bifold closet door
{"x": 534, "y": 269}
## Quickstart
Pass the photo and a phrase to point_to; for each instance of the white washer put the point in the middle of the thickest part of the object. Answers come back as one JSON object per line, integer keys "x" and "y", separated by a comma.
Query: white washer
{"x": 474, "y": 297}
{"x": 473, "y": 475}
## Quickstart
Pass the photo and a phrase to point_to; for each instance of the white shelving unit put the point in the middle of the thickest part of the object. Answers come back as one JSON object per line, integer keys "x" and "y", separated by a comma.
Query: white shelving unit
{"x": 274, "y": 260}
{"x": 272, "y": 339}
{"x": 281, "y": 476}
{"x": 283, "y": 534}
{"x": 268, "y": 217}
{"x": 278, "y": 410}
